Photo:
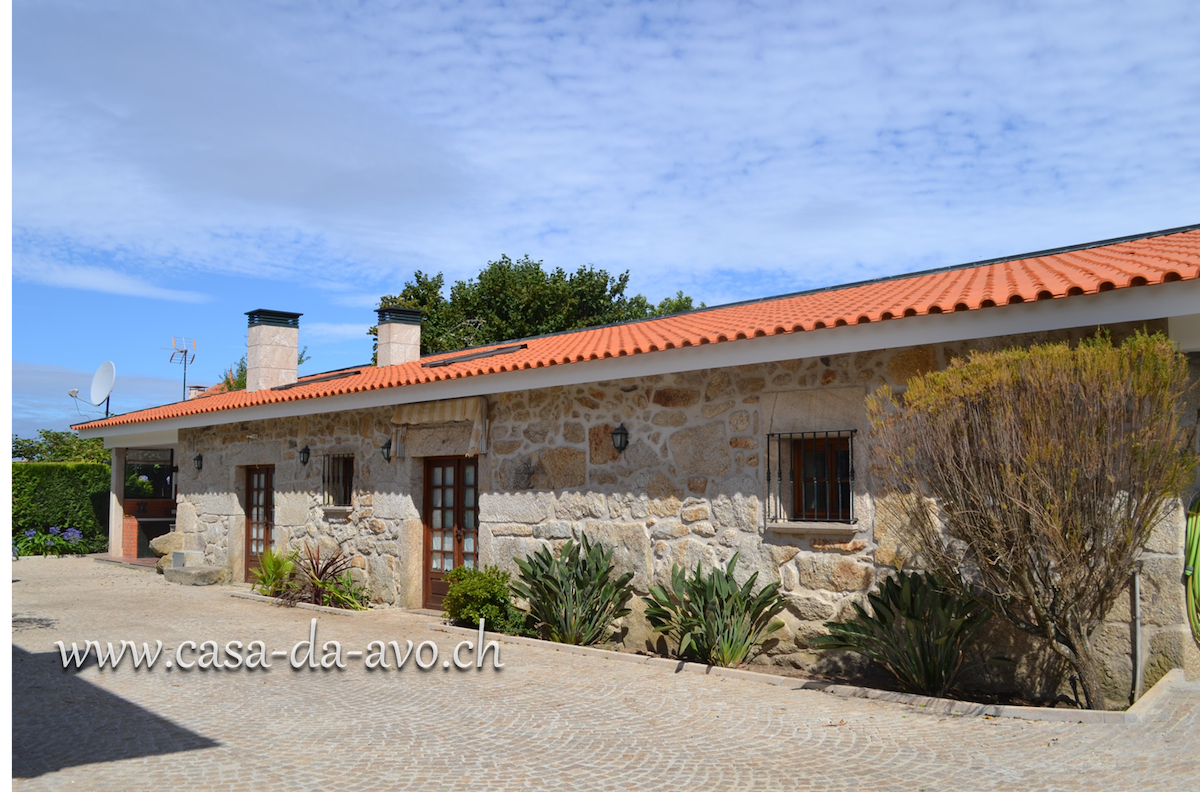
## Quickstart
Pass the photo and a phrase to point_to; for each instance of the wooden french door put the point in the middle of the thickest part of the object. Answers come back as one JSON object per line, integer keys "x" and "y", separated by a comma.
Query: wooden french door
{"x": 451, "y": 528}
{"x": 260, "y": 513}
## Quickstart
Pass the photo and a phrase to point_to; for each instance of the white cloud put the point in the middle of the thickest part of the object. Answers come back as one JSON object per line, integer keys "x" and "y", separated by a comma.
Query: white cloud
{"x": 331, "y": 333}
{"x": 740, "y": 150}
{"x": 38, "y": 270}
{"x": 197, "y": 160}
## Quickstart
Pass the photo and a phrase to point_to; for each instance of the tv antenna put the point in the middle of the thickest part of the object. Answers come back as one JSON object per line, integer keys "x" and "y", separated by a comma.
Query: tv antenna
{"x": 183, "y": 354}
{"x": 102, "y": 386}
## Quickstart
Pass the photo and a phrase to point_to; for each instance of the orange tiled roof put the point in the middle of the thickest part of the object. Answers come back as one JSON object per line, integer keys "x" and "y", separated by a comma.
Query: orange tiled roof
{"x": 211, "y": 391}
{"x": 1079, "y": 270}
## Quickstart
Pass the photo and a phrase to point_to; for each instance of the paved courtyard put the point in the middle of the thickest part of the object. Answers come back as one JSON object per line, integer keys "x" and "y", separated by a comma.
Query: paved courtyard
{"x": 547, "y": 721}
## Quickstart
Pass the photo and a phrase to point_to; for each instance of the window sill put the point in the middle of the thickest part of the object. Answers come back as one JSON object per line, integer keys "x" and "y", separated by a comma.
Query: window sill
{"x": 337, "y": 513}
{"x": 812, "y": 528}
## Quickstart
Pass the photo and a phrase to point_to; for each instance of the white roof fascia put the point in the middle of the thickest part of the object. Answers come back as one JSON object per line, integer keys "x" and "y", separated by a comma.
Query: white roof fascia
{"x": 152, "y": 435}
{"x": 1112, "y": 307}
{"x": 1185, "y": 332}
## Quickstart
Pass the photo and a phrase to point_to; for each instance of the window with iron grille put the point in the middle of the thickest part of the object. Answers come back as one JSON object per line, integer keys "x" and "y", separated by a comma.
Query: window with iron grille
{"x": 811, "y": 476}
{"x": 337, "y": 475}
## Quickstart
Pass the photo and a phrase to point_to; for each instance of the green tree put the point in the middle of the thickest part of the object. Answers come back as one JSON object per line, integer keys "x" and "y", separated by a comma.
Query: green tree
{"x": 512, "y": 299}
{"x": 235, "y": 375}
{"x": 59, "y": 446}
{"x": 1032, "y": 478}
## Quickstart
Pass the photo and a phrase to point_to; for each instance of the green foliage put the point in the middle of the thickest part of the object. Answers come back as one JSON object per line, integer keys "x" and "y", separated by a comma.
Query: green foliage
{"x": 711, "y": 618}
{"x": 573, "y": 598}
{"x": 276, "y": 572}
{"x": 235, "y": 375}
{"x": 57, "y": 541}
{"x": 343, "y": 592}
{"x": 917, "y": 630}
{"x": 59, "y": 446}
{"x": 513, "y": 299}
{"x": 323, "y": 578}
{"x": 61, "y": 494}
{"x": 474, "y": 595}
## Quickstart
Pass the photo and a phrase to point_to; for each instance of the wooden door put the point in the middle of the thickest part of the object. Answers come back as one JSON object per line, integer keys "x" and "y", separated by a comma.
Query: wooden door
{"x": 451, "y": 528}
{"x": 260, "y": 514}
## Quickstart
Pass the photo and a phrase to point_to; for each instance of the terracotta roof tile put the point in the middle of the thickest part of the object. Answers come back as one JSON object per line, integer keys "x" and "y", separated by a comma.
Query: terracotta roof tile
{"x": 1082, "y": 270}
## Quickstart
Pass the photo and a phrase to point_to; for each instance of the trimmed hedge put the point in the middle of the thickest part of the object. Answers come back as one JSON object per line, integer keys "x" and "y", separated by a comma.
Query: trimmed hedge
{"x": 60, "y": 494}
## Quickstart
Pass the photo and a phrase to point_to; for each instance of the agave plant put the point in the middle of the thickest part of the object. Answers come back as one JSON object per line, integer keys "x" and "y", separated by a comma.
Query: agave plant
{"x": 573, "y": 598}
{"x": 711, "y": 618}
{"x": 917, "y": 630}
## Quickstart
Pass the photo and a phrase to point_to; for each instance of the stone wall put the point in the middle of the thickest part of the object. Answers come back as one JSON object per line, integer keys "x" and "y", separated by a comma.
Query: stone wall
{"x": 381, "y": 531}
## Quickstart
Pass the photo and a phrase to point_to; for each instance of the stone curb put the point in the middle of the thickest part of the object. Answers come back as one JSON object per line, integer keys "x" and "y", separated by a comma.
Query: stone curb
{"x": 968, "y": 709}
{"x": 262, "y": 598}
{"x": 1150, "y": 697}
{"x": 925, "y": 704}
{"x": 122, "y": 564}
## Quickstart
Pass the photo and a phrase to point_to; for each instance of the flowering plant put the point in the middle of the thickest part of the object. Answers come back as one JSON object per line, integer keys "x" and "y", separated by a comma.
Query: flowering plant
{"x": 56, "y": 541}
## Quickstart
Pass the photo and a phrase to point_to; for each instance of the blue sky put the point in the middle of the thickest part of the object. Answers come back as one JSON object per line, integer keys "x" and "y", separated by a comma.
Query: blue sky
{"x": 177, "y": 164}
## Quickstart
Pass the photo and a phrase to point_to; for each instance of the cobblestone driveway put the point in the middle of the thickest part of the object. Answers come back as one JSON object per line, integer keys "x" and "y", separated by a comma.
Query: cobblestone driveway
{"x": 547, "y": 720}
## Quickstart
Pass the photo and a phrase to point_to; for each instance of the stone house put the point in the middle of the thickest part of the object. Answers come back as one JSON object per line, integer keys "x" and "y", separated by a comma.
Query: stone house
{"x": 672, "y": 440}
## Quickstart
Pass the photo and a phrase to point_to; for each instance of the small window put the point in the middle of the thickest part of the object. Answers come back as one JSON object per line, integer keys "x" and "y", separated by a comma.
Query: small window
{"x": 148, "y": 474}
{"x": 811, "y": 476}
{"x": 337, "y": 475}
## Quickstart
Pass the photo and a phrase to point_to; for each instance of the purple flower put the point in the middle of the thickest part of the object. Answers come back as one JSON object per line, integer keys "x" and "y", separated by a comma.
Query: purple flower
{"x": 72, "y": 535}
{"x": 49, "y": 542}
{"x": 29, "y": 533}
{"x": 54, "y": 530}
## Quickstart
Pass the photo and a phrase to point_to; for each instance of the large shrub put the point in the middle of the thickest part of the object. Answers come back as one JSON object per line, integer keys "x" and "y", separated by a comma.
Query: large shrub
{"x": 1033, "y": 477}
{"x": 60, "y": 494}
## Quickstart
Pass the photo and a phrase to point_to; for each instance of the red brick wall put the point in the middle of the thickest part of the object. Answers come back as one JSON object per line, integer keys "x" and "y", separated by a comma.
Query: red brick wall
{"x": 153, "y": 508}
{"x": 129, "y": 532}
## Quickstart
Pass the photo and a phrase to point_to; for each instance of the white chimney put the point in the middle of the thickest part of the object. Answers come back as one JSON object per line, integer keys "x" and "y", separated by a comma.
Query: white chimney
{"x": 399, "y": 336}
{"x": 272, "y": 349}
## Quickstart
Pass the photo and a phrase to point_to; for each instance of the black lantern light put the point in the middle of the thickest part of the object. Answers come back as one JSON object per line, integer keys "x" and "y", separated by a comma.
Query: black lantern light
{"x": 198, "y": 461}
{"x": 305, "y": 454}
{"x": 620, "y": 438}
{"x": 387, "y": 451}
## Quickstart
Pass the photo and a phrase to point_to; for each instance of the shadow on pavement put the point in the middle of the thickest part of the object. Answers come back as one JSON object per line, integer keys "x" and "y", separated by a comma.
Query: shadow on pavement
{"x": 59, "y": 720}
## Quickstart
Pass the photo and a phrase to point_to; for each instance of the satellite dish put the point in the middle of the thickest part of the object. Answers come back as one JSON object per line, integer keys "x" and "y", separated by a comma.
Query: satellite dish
{"x": 102, "y": 384}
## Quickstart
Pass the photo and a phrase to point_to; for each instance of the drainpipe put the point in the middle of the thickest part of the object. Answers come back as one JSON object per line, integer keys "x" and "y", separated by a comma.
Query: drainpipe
{"x": 1137, "y": 630}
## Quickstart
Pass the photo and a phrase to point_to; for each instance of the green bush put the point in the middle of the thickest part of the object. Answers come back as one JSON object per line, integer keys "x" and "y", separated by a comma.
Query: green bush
{"x": 56, "y": 541}
{"x": 61, "y": 494}
{"x": 276, "y": 572}
{"x": 343, "y": 592}
{"x": 572, "y": 598}
{"x": 711, "y": 618}
{"x": 917, "y": 630}
{"x": 475, "y": 594}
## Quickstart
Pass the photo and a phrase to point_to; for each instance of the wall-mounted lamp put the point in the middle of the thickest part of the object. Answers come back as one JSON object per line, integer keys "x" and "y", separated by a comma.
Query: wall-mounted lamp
{"x": 620, "y": 438}
{"x": 305, "y": 454}
{"x": 198, "y": 461}
{"x": 387, "y": 450}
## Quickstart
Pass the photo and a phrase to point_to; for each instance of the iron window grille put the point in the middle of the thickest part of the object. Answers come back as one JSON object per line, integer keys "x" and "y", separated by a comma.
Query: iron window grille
{"x": 810, "y": 476}
{"x": 337, "y": 476}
